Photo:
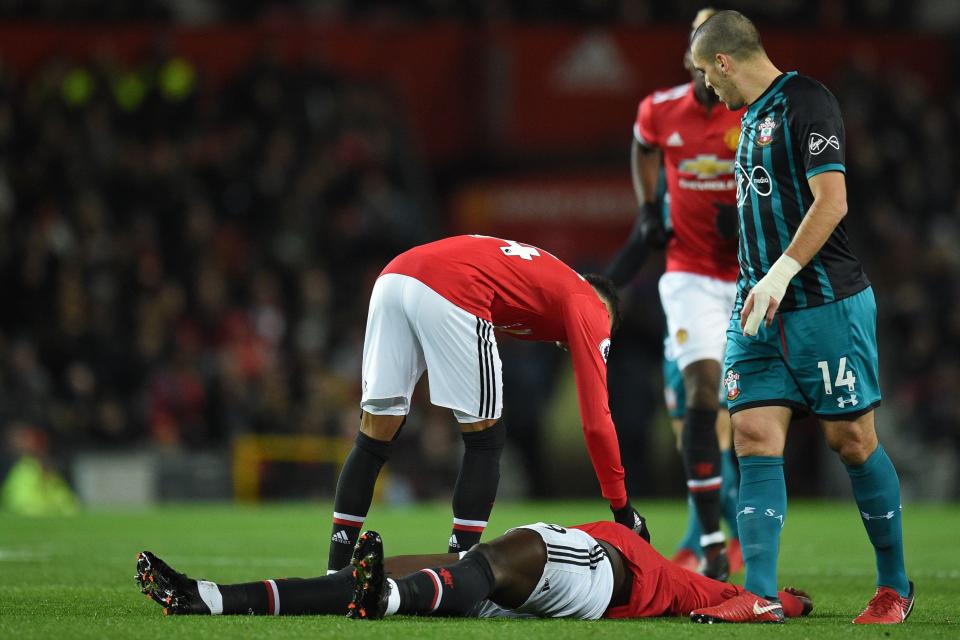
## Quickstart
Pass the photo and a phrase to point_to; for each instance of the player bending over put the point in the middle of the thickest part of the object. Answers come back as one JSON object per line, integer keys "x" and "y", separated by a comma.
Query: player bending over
{"x": 440, "y": 308}
{"x": 586, "y": 572}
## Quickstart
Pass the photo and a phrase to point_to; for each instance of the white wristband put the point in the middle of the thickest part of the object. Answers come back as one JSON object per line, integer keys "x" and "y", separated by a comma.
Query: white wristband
{"x": 781, "y": 273}
{"x": 771, "y": 286}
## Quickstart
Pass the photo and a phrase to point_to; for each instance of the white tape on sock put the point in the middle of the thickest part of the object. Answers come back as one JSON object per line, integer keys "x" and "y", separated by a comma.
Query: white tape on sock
{"x": 393, "y": 599}
{"x": 210, "y": 594}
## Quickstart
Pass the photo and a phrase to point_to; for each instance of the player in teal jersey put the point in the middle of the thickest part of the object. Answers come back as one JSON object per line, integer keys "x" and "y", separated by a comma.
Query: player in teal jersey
{"x": 803, "y": 332}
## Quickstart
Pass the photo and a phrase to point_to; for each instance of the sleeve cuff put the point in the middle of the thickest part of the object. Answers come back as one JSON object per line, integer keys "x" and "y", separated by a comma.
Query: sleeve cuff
{"x": 833, "y": 166}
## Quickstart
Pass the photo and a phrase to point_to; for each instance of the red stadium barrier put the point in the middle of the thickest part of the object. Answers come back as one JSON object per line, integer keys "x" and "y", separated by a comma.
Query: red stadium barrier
{"x": 580, "y": 219}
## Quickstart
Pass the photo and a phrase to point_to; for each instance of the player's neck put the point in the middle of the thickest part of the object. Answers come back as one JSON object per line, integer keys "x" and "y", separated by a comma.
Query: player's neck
{"x": 757, "y": 78}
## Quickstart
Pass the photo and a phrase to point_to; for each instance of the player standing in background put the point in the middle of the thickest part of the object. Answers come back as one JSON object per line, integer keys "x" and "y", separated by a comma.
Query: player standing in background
{"x": 819, "y": 353}
{"x": 435, "y": 308}
{"x": 686, "y": 130}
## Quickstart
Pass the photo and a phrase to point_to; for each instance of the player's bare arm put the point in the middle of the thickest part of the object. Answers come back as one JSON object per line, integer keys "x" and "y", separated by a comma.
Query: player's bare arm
{"x": 829, "y": 207}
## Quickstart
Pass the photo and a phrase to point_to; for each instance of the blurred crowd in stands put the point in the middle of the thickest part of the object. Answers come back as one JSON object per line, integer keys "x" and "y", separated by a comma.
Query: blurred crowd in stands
{"x": 181, "y": 264}
{"x": 184, "y": 262}
{"x": 934, "y": 14}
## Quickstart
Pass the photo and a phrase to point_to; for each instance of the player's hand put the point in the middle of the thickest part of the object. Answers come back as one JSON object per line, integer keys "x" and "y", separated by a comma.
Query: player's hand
{"x": 728, "y": 221}
{"x": 652, "y": 229}
{"x": 764, "y": 299}
{"x": 628, "y": 517}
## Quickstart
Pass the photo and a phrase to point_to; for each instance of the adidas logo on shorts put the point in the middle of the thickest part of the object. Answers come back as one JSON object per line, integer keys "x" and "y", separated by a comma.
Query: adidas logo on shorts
{"x": 341, "y": 537}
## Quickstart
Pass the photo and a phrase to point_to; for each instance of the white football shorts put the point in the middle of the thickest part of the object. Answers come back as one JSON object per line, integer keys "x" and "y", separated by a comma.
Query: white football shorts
{"x": 412, "y": 329}
{"x": 577, "y": 580}
{"x": 698, "y": 312}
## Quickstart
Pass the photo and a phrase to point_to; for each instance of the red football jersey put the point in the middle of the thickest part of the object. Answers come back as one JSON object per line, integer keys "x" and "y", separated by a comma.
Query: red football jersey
{"x": 699, "y": 150}
{"x": 530, "y": 294}
{"x": 660, "y": 587}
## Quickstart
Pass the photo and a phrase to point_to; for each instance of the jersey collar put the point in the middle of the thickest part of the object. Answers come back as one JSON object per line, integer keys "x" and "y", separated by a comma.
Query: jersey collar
{"x": 769, "y": 91}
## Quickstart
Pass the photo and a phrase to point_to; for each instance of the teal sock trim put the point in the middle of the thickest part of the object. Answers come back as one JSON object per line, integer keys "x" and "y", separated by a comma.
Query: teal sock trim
{"x": 729, "y": 490}
{"x": 876, "y": 488}
{"x": 760, "y": 517}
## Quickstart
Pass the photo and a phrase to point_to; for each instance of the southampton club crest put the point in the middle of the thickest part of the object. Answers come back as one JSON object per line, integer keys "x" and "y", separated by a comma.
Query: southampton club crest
{"x": 766, "y": 129}
{"x": 732, "y": 383}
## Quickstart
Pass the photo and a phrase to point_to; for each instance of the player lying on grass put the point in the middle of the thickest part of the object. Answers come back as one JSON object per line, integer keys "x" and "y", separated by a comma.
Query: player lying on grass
{"x": 600, "y": 569}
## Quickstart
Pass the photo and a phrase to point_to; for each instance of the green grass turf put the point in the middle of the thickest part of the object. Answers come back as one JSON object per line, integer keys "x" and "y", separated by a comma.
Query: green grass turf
{"x": 73, "y": 577}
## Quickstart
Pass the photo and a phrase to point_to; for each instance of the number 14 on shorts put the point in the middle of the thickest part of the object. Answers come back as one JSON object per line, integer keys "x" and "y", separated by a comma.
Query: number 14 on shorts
{"x": 845, "y": 378}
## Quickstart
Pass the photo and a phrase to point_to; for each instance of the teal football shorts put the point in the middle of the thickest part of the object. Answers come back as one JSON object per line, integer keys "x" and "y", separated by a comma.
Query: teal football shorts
{"x": 821, "y": 360}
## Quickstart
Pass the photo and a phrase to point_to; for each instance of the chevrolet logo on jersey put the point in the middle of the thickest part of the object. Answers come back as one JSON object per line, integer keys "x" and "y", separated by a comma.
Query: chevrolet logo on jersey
{"x": 707, "y": 166}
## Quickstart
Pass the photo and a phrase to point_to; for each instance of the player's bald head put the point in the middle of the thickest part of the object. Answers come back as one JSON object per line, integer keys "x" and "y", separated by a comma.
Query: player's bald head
{"x": 727, "y": 32}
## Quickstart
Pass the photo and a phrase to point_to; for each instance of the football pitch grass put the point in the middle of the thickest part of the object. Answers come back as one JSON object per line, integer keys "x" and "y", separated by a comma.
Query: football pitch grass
{"x": 73, "y": 577}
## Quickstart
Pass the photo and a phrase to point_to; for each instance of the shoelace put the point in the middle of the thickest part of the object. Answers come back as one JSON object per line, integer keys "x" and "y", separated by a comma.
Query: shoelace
{"x": 884, "y": 601}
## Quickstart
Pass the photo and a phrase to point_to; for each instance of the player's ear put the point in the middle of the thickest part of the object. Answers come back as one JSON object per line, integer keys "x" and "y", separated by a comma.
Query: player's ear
{"x": 722, "y": 63}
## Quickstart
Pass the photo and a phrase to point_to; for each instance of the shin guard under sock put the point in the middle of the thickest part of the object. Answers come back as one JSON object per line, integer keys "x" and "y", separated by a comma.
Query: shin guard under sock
{"x": 452, "y": 590}
{"x": 476, "y": 487}
{"x": 290, "y": 596}
{"x": 763, "y": 508}
{"x": 876, "y": 488}
{"x": 701, "y": 461}
{"x": 354, "y": 494}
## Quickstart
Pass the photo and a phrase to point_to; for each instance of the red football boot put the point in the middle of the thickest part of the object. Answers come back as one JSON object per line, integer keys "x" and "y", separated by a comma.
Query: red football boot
{"x": 887, "y": 607}
{"x": 686, "y": 558}
{"x": 745, "y": 607}
{"x": 795, "y": 602}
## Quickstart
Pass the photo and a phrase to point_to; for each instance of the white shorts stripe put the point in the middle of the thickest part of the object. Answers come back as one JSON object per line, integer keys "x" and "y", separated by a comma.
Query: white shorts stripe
{"x": 410, "y": 329}
{"x": 470, "y": 523}
{"x": 347, "y": 516}
{"x": 276, "y": 597}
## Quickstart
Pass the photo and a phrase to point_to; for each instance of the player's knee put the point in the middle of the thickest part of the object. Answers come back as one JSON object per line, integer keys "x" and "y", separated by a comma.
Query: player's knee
{"x": 703, "y": 396}
{"x": 701, "y": 381}
{"x": 495, "y": 558}
{"x": 756, "y": 439}
{"x": 853, "y": 448}
{"x": 381, "y": 427}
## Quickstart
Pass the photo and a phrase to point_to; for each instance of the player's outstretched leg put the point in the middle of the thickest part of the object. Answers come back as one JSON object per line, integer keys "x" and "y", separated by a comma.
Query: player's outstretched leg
{"x": 179, "y": 594}
{"x": 452, "y": 590}
{"x": 172, "y": 590}
{"x": 477, "y": 483}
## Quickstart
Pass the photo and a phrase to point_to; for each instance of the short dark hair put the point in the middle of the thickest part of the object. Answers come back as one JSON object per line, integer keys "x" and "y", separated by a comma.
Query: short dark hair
{"x": 728, "y": 32}
{"x": 607, "y": 290}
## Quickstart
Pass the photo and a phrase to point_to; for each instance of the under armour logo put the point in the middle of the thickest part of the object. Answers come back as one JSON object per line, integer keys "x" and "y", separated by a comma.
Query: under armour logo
{"x": 514, "y": 248}
{"x": 852, "y": 401}
{"x": 886, "y": 516}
